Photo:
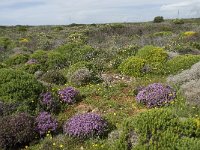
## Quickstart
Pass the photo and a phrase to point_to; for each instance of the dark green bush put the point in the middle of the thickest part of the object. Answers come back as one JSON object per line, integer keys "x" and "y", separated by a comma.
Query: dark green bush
{"x": 161, "y": 129}
{"x": 18, "y": 86}
{"x": 158, "y": 19}
{"x": 181, "y": 63}
{"x": 132, "y": 66}
{"x": 56, "y": 60}
{"x": 40, "y": 56}
{"x": 17, "y": 59}
{"x": 32, "y": 68}
{"x": 2, "y": 65}
{"x": 5, "y": 42}
{"x": 75, "y": 52}
{"x": 54, "y": 76}
{"x": 16, "y": 130}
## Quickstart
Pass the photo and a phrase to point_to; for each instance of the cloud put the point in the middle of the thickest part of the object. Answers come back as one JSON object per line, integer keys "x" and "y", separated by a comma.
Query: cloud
{"x": 187, "y": 8}
{"x": 39, "y": 12}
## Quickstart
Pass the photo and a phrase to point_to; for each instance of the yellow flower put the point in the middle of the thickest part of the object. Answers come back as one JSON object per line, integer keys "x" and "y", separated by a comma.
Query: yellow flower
{"x": 114, "y": 114}
{"x": 47, "y": 134}
{"x": 23, "y": 40}
{"x": 26, "y": 147}
{"x": 61, "y": 146}
{"x": 54, "y": 144}
{"x": 190, "y": 33}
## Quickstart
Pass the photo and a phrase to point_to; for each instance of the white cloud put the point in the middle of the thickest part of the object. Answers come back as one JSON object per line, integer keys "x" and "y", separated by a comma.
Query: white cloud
{"x": 86, "y": 11}
{"x": 190, "y": 8}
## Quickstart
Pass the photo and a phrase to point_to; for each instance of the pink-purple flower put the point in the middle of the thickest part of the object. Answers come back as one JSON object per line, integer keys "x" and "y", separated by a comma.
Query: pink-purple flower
{"x": 85, "y": 126}
{"x": 156, "y": 94}
{"x": 68, "y": 95}
{"x": 45, "y": 122}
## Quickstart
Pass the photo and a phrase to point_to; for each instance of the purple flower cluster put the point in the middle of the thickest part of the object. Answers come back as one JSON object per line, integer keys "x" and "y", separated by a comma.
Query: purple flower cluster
{"x": 46, "y": 99}
{"x": 45, "y": 123}
{"x": 85, "y": 126}
{"x": 156, "y": 94}
{"x": 68, "y": 95}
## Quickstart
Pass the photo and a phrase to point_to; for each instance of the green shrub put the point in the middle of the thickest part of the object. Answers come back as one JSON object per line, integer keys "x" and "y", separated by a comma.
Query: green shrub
{"x": 75, "y": 52}
{"x": 17, "y": 59}
{"x": 132, "y": 66}
{"x": 54, "y": 76}
{"x": 5, "y": 43}
{"x": 128, "y": 51}
{"x": 18, "y": 86}
{"x": 40, "y": 56}
{"x": 158, "y": 19}
{"x": 2, "y": 65}
{"x": 195, "y": 45}
{"x": 56, "y": 60}
{"x": 154, "y": 56}
{"x": 161, "y": 129}
{"x": 32, "y": 68}
{"x": 178, "y": 21}
{"x": 181, "y": 63}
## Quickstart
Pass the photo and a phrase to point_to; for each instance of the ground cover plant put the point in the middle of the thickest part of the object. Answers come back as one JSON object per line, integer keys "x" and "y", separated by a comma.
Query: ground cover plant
{"x": 118, "y": 86}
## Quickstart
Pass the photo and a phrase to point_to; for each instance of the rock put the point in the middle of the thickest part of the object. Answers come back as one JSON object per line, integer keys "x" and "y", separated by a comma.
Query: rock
{"x": 132, "y": 139}
{"x": 38, "y": 74}
{"x": 114, "y": 136}
{"x": 172, "y": 54}
{"x": 189, "y": 82}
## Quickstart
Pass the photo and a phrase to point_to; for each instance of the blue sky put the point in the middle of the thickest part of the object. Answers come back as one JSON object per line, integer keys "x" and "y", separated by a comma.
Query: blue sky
{"x": 51, "y": 12}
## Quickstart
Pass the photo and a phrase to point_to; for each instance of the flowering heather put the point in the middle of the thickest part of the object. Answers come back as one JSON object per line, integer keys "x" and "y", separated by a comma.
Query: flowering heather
{"x": 156, "y": 94}
{"x": 46, "y": 99}
{"x": 45, "y": 123}
{"x": 85, "y": 126}
{"x": 68, "y": 95}
{"x": 16, "y": 130}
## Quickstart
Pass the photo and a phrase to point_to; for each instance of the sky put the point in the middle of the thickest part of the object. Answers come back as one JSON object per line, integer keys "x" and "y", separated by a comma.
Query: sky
{"x": 56, "y": 12}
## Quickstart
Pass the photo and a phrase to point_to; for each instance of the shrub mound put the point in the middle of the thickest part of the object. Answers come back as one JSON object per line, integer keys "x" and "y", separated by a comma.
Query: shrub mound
{"x": 68, "y": 95}
{"x": 16, "y": 130}
{"x": 86, "y": 125}
{"x": 155, "y": 56}
{"x": 166, "y": 130}
{"x": 180, "y": 63}
{"x": 54, "y": 76}
{"x": 17, "y": 59}
{"x": 18, "y": 86}
{"x": 158, "y": 19}
{"x": 45, "y": 123}
{"x": 132, "y": 66}
{"x": 156, "y": 94}
{"x": 81, "y": 77}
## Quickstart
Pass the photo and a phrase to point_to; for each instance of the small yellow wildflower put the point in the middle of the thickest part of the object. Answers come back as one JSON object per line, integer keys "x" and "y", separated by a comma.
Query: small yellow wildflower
{"x": 26, "y": 147}
{"x": 114, "y": 114}
{"x": 54, "y": 144}
{"x": 61, "y": 146}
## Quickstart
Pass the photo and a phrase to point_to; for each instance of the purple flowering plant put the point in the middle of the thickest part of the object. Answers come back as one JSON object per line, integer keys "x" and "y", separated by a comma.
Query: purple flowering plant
{"x": 86, "y": 125}
{"x": 68, "y": 95}
{"x": 156, "y": 94}
{"x": 46, "y": 99}
{"x": 45, "y": 123}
